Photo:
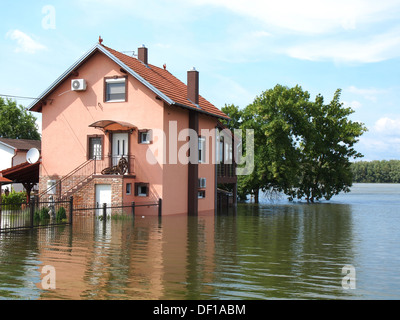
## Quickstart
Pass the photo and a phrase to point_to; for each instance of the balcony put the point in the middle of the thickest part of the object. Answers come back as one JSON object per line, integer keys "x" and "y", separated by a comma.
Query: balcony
{"x": 226, "y": 173}
{"x": 115, "y": 165}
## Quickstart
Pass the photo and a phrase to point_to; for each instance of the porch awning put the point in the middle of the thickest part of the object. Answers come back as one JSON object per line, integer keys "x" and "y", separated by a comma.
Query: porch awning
{"x": 4, "y": 181}
{"x": 112, "y": 125}
{"x": 23, "y": 173}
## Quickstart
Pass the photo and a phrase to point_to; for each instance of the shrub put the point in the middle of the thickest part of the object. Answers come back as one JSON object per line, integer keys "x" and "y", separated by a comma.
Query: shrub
{"x": 42, "y": 214}
{"x": 13, "y": 201}
{"x": 61, "y": 214}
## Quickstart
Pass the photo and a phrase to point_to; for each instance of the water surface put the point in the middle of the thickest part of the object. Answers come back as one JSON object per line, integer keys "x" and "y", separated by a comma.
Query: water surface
{"x": 275, "y": 250}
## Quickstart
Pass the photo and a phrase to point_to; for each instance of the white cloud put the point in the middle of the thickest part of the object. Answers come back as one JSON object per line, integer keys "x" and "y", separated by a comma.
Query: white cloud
{"x": 356, "y": 49}
{"x": 310, "y": 16}
{"x": 341, "y": 30}
{"x": 367, "y": 93}
{"x": 388, "y": 126}
{"x": 382, "y": 141}
{"x": 25, "y": 43}
{"x": 352, "y": 104}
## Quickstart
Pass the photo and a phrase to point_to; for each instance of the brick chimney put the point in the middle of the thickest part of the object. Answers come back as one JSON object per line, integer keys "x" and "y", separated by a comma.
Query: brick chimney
{"x": 142, "y": 54}
{"x": 193, "y": 85}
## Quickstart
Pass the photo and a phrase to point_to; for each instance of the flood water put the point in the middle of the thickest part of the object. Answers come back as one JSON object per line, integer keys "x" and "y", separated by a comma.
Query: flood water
{"x": 275, "y": 250}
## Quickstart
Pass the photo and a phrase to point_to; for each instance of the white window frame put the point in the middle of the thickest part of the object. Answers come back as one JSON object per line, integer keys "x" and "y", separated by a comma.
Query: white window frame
{"x": 201, "y": 194}
{"x": 140, "y": 193}
{"x": 202, "y": 149}
{"x": 117, "y": 80}
{"x": 202, "y": 183}
{"x": 147, "y": 134}
{"x": 128, "y": 188}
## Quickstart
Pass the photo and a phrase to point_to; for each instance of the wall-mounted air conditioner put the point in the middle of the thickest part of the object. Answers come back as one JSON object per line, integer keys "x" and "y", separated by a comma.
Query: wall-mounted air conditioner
{"x": 51, "y": 186}
{"x": 202, "y": 182}
{"x": 78, "y": 85}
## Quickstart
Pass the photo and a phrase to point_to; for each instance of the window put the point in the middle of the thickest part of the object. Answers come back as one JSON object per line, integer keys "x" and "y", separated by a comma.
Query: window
{"x": 221, "y": 150}
{"x": 115, "y": 89}
{"x": 141, "y": 189}
{"x": 145, "y": 136}
{"x": 128, "y": 188}
{"x": 201, "y": 194}
{"x": 202, "y": 149}
{"x": 95, "y": 147}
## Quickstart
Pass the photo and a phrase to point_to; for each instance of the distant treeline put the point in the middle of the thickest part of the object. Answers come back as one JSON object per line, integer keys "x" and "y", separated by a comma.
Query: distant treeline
{"x": 384, "y": 171}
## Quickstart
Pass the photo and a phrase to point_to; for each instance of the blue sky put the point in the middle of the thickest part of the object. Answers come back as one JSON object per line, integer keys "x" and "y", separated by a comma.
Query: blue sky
{"x": 240, "y": 48}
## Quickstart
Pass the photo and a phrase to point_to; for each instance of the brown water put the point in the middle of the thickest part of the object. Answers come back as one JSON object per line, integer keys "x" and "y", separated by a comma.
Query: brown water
{"x": 269, "y": 251}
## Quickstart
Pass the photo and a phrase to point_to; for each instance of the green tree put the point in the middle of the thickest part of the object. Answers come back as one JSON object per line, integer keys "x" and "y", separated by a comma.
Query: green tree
{"x": 327, "y": 148}
{"x": 376, "y": 171}
{"x": 303, "y": 147}
{"x": 16, "y": 122}
{"x": 276, "y": 117}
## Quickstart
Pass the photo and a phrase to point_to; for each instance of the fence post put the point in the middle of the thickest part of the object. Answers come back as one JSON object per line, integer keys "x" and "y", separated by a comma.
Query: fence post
{"x": 104, "y": 211}
{"x": 133, "y": 208}
{"x": 160, "y": 207}
{"x": 32, "y": 210}
{"x": 71, "y": 209}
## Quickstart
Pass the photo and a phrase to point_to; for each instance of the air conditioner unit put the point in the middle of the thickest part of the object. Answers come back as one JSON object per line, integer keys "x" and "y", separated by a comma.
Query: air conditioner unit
{"x": 78, "y": 85}
{"x": 202, "y": 182}
{"x": 51, "y": 186}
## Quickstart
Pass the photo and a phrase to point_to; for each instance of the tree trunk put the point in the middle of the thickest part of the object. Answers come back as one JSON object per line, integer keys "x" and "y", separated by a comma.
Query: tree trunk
{"x": 256, "y": 193}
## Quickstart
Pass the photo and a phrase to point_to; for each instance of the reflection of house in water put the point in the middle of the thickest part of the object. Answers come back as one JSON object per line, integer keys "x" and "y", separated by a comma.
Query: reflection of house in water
{"x": 150, "y": 259}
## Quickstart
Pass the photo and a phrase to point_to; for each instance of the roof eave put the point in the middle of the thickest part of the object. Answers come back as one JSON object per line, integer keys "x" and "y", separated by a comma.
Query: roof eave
{"x": 201, "y": 111}
{"x": 97, "y": 47}
{"x": 7, "y": 145}
{"x": 61, "y": 78}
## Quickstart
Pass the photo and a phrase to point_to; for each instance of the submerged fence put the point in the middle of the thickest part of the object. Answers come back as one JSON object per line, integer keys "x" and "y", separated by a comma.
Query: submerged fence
{"x": 105, "y": 210}
{"x": 61, "y": 212}
{"x": 35, "y": 214}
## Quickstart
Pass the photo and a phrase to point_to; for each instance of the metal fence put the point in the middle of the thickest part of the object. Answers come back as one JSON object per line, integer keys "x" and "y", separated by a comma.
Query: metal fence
{"x": 61, "y": 212}
{"x": 105, "y": 210}
{"x": 35, "y": 214}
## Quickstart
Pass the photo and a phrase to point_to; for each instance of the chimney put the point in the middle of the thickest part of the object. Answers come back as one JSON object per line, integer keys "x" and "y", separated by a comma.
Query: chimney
{"x": 142, "y": 54}
{"x": 193, "y": 85}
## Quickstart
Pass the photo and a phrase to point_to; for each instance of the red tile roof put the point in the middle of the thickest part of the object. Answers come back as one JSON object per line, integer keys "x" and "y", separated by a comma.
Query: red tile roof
{"x": 23, "y": 173}
{"x": 165, "y": 82}
{"x": 22, "y": 144}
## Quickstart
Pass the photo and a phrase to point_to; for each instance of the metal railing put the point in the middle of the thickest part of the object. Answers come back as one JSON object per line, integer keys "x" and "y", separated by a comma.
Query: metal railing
{"x": 35, "y": 214}
{"x": 85, "y": 169}
{"x": 85, "y": 172}
{"x": 226, "y": 170}
{"x": 108, "y": 162}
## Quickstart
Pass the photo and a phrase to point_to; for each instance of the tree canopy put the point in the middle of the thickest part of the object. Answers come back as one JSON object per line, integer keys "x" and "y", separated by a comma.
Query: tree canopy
{"x": 303, "y": 147}
{"x": 16, "y": 122}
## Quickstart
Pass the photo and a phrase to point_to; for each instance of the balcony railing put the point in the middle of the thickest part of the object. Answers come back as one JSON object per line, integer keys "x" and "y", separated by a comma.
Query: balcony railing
{"x": 226, "y": 170}
{"x": 115, "y": 165}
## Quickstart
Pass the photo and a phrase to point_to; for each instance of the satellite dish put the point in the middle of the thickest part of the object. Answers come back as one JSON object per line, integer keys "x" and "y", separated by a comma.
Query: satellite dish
{"x": 33, "y": 155}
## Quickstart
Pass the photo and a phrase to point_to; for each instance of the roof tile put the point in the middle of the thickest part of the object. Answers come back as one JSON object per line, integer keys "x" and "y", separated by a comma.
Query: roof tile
{"x": 168, "y": 84}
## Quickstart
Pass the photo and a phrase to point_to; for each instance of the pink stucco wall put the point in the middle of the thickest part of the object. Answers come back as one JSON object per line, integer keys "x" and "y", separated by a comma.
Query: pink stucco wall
{"x": 67, "y": 118}
{"x": 66, "y": 123}
{"x": 207, "y": 170}
{"x": 175, "y": 174}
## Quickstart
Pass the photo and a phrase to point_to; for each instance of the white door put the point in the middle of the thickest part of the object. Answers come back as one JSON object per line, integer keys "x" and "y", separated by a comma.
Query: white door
{"x": 119, "y": 147}
{"x": 103, "y": 195}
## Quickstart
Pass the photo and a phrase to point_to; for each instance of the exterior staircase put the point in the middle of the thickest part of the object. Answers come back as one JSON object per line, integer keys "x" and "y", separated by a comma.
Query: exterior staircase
{"x": 84, "y": 173}
{"x": 73, "y": 181}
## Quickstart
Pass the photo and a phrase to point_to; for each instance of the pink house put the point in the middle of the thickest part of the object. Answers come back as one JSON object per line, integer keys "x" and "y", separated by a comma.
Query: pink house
{"x": 118, "y": 129}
